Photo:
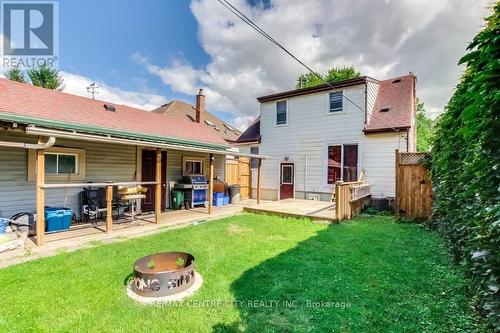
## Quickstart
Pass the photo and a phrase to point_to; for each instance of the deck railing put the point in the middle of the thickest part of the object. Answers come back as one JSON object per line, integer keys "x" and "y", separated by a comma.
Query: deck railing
{"x": 350, "y": 198}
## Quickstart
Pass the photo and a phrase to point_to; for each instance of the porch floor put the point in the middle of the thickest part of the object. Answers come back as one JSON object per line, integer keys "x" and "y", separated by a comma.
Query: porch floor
{"x": 321, "y": 211}
{"x": 87, "y": 235}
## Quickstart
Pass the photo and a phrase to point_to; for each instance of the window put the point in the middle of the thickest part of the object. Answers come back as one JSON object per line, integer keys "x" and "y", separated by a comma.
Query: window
{"x": 336, "y": 101}
{"x": 60, "y": 164}
{"x": 342, "y": 163}
{"x": 254, "y": 162}
{"x": 281, "y": 113}
{"x": 193, "y": 166}
{"x": 287, "y": 174}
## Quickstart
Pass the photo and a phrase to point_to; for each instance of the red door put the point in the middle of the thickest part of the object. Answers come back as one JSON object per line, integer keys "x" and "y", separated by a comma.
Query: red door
{"x": 149, "y": 175}
{"x": 286, "y": 180}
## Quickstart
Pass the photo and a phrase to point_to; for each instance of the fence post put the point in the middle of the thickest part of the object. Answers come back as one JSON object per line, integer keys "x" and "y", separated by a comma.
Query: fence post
{"x": 109, "y": 208}
{"x": 396, "y": 172}
{"x": 338, "y": 210}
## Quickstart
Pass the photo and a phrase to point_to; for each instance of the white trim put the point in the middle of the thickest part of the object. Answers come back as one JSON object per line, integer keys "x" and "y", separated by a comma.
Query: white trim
{"x": 325, "y": 160}
{"x": 276, "y": 113}
{"x": 279, "y": 177}
{"x": 290, "y": 165}
{"x": 58, "y": 153}
{"x": 327, "y": 103}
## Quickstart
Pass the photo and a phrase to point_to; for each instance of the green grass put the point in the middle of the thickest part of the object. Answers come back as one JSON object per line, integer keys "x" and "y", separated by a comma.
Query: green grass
{"x": 378, "y": 276}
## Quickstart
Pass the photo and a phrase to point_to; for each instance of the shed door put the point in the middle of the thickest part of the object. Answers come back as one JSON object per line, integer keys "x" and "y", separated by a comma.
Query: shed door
{"x": 286, "y": 180}
{"x": 149, "y": 175}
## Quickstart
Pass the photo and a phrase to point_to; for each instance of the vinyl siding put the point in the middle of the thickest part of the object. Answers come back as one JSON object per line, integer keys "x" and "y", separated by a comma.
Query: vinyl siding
{"x": 309, "y": 131}
{"x": 104, "y": 162}
{"x": 371, "y": 96}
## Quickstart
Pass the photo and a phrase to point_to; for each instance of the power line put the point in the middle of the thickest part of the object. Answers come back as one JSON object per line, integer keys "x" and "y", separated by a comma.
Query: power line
{"x": 254, "y": 26}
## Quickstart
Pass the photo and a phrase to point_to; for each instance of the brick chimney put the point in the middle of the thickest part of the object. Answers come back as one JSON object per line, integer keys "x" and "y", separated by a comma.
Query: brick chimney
{"x": 200, "y": 107}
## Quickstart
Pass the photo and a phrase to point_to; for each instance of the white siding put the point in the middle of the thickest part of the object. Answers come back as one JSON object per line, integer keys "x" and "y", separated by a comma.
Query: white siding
{"x": 309, "y": 131}
{"x": 371, "y": 96}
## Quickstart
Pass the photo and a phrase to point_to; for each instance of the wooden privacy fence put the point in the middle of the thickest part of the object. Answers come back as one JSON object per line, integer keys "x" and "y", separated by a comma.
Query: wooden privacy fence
{"x": 351, "y": 198}
{"x": 413, "y": 186}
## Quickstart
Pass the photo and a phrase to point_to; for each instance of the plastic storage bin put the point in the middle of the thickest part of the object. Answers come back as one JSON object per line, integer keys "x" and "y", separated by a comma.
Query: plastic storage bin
{"x": 57, "y": 218}
{"x": 177, "y": 199}
{"x": 3, "y": 225}
{"x": 225, "y": 200}
{"x": 218, "y": 199}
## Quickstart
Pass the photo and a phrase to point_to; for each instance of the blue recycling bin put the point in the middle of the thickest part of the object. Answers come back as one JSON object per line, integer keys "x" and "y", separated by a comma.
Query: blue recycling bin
{"x": 218, "y": 199}
{"x": 57, "y": 219}
{"x": 3, "y": 225}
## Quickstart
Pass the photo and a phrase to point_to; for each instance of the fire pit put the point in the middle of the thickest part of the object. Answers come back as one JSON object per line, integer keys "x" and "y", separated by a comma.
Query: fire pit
{"x": 164, "y": 276}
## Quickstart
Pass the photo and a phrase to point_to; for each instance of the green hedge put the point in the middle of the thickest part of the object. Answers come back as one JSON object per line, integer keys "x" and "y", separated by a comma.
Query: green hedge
{"x": 465, "y": 169}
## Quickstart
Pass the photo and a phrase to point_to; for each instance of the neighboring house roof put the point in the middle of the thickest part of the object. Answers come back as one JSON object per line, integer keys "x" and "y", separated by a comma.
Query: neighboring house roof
{"x": 24, "y": 103}
{"x": 251, "y": 134}
{"x": 181, "y": 110}
{"x": 396, "y": 94}
{"x": 395, "y": 105}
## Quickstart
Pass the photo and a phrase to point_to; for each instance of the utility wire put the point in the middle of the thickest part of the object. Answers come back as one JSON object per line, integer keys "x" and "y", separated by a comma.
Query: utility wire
{"x": 254, "y": 26}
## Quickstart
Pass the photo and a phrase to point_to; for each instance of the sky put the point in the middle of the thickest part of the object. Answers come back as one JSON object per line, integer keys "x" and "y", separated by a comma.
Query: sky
{"x": 147, "y": 52}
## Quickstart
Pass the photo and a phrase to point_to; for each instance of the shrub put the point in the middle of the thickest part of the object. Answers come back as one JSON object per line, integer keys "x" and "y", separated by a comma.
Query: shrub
{"x": 465, "y": 169}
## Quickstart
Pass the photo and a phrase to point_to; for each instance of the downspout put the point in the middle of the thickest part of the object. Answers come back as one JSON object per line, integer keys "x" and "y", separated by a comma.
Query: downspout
{"x": 50, "y": 142}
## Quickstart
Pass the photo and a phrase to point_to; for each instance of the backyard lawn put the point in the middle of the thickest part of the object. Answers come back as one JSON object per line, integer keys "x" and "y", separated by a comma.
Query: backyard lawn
{"x": 261, "y": 274}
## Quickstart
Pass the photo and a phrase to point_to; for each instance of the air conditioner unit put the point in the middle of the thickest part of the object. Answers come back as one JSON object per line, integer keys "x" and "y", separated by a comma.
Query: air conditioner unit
{"x": 313, "y": 196}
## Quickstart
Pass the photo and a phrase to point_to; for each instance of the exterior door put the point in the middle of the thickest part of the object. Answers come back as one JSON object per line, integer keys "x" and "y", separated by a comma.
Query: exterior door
{"x": 286, "y": 180}
{"x": 244, "y": 177}
{"x": 149, "y": 175}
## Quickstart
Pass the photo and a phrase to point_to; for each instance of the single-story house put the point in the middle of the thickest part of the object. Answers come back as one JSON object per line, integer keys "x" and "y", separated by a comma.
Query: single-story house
{"x": 53, "y": 143}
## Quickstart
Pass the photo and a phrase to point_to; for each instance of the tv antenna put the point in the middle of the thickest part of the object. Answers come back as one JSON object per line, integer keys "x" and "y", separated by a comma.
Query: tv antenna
{"x": 92, "y": 89}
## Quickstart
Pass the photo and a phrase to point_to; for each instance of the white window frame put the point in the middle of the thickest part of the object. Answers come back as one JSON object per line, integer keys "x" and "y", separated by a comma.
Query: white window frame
{"x": 276, "y": 113}
{"x": 325, "y": 164}
{"x": 329, "y": 102}
{"x": 75, "y": 172}
{"x": 78, "y": 174}
{"x": 196, "y": 160}
{"x": 292, "y": 166}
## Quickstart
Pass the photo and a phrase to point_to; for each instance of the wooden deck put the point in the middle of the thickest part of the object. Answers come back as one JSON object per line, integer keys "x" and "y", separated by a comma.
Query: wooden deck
{"x": 321, "y": 211}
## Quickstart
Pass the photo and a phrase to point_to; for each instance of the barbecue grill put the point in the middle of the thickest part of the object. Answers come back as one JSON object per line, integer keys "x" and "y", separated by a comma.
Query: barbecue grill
{"x": 195, "y": 188}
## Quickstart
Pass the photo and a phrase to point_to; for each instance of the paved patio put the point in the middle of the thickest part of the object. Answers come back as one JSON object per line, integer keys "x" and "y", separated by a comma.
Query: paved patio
{"x": 87, "y": 235}
{"x": 319, "y": 211}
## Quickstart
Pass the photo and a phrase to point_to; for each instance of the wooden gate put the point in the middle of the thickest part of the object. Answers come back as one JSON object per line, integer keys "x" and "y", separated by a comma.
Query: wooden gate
{"x": 413, "y": 186}
{"x": 238, "y": 172}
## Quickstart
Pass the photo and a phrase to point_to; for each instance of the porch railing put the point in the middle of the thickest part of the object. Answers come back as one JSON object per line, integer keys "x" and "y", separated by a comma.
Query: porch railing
{"x": 350, "y": 198}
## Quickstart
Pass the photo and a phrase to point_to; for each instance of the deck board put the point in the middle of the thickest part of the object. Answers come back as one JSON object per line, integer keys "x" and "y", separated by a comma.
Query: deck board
{"x": 310, "y": 209}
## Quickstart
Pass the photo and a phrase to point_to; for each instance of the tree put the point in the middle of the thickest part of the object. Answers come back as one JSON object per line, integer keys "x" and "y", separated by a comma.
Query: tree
{"x": 15, "y": 74}
{"x": 46, "y": 77}
{"x": 334, "y": 74}
{"x": 425, "y": 129}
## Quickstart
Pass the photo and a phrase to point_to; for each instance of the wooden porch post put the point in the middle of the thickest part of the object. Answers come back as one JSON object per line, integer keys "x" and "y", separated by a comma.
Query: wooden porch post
{"x": 158, "y": 186}
{"x": 259, "y": 169}
{"x": 211, "y": 184}
{"x": 40, "y": 197}
{"x": 109, "y": 208}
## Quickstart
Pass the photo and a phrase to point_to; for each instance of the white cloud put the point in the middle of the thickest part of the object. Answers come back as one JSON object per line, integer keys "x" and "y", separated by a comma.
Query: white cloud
{"x": 77, "y": 85}
{"x": 242, "y": 122}
{"x": 380, "y": 38}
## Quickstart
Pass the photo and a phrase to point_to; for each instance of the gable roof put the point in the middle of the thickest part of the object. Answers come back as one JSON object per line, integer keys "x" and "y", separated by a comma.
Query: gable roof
{"x": 184, "y": 111}
{"x": 24, "y": 103}
{"x": 251, "y": 134}
{"x": 398, "y": 96}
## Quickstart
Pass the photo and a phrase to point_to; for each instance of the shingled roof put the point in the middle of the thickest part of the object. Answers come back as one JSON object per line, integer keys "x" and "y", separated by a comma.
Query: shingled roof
{"x": 181, "y": 110}
{"x": 55, "y": 109}
{"x": 251, "y": 134}
{"x": 395, "y": 105}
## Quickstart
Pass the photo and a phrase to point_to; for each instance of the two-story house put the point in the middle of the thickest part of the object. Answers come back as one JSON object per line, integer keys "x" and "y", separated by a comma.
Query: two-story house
{"x": 319, "y": 135}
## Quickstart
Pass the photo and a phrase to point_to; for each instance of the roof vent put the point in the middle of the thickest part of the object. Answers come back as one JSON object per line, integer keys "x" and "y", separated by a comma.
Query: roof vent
{"x": 110, "y": 107}
{"x": 385, "y": 109}
{"x": 396, "y": 81}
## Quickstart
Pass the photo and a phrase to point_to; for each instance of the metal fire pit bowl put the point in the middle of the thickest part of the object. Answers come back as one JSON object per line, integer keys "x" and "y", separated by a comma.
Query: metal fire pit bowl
{"x": 163, "y": 274}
